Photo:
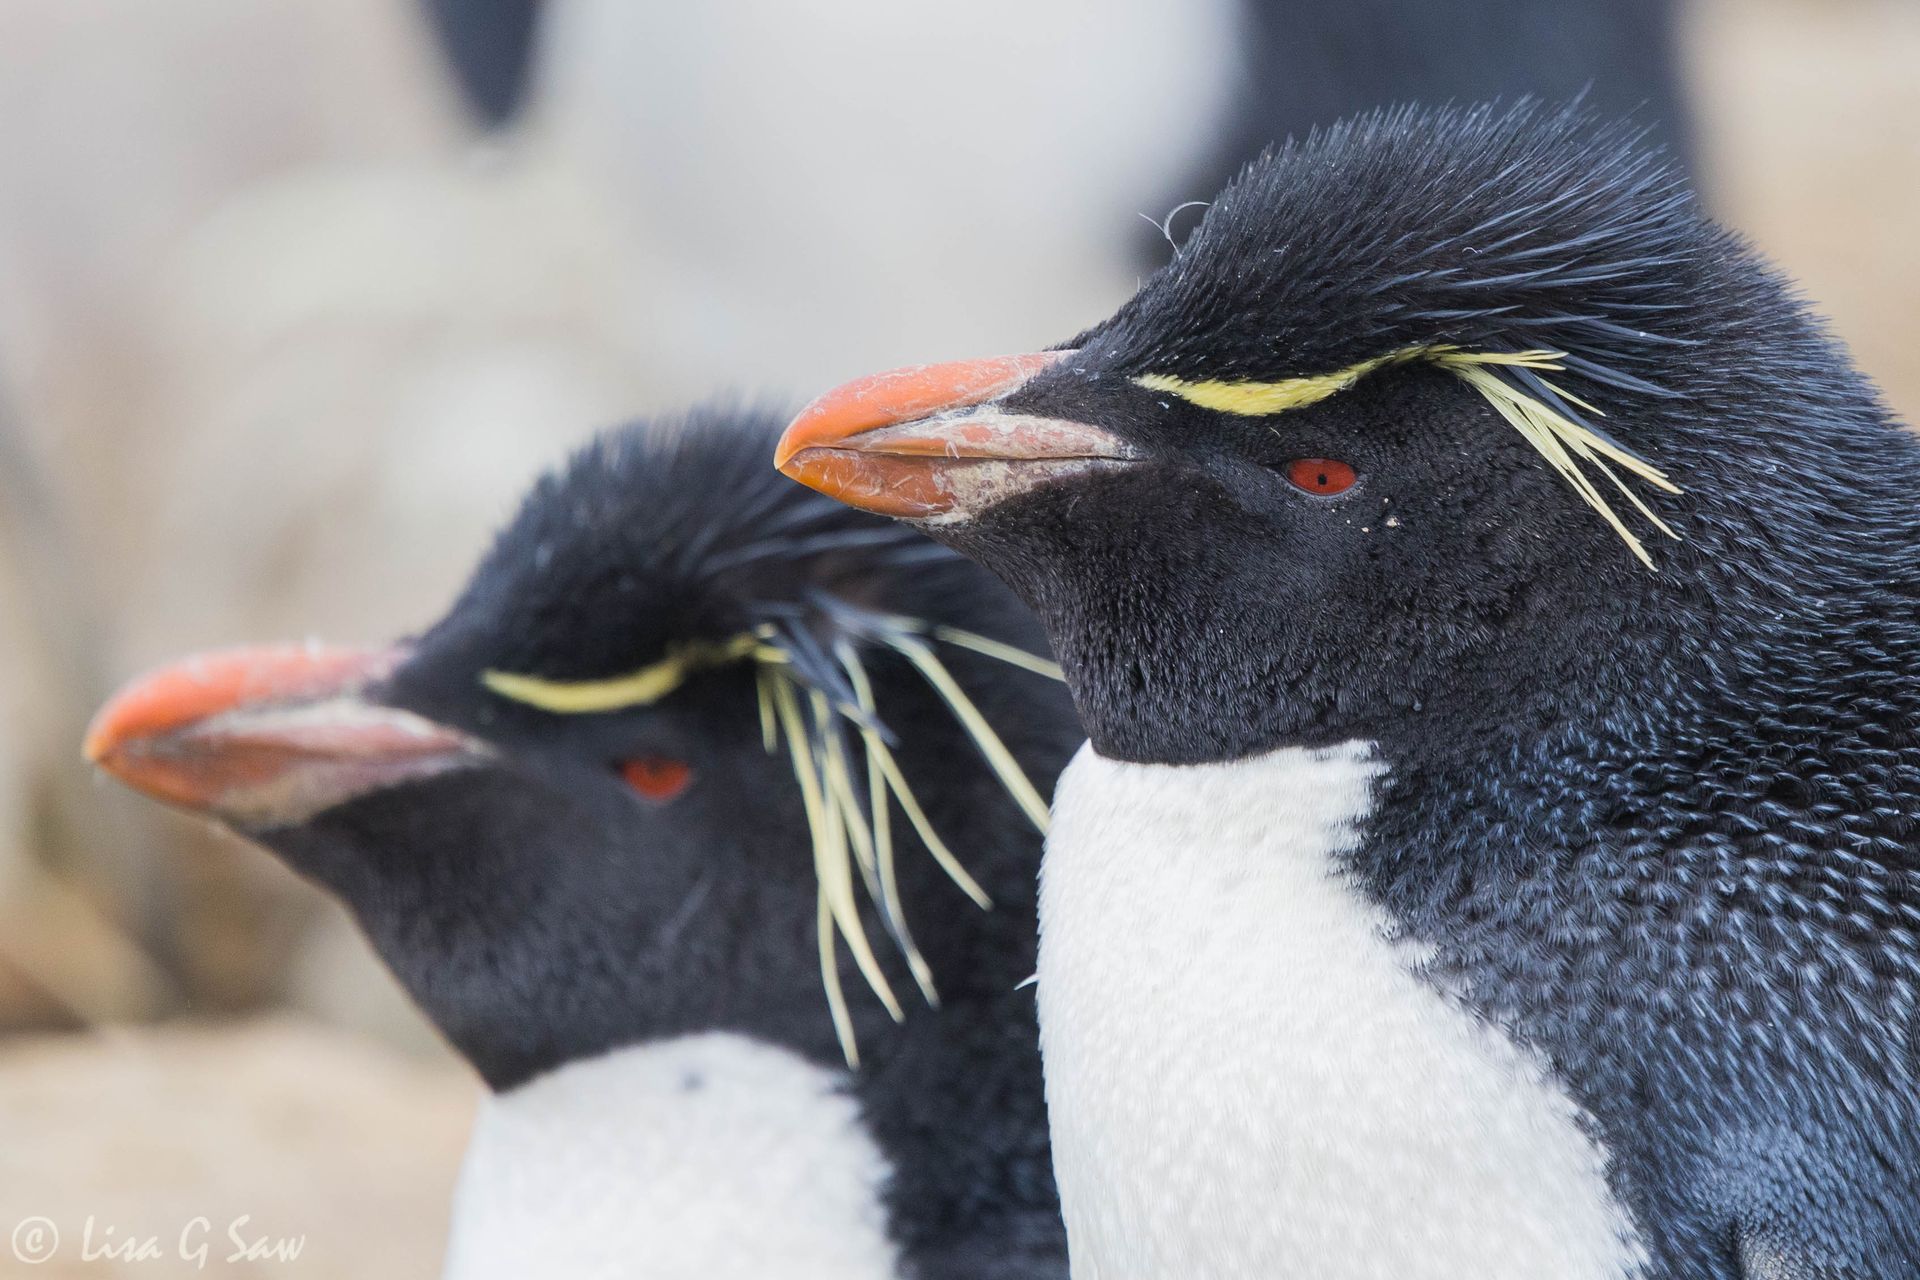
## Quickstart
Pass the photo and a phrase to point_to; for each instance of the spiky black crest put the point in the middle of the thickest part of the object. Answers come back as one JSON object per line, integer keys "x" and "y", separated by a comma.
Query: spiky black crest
{"x": 675, "y": 532}
{"x": 1483, "y": 228}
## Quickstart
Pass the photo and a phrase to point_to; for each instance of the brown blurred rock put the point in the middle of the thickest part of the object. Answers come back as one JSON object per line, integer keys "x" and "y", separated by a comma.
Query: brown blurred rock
{"x": 63, "y": 964}
{"x": 122, "y": 125}
{"x": 1810, "y": 142}
{"x": 310, "y": 1133}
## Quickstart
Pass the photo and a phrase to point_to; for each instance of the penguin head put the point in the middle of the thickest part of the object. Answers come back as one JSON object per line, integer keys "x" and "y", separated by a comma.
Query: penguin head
{"x": 556, "y": 812}
{"x": 1433, "y": 416}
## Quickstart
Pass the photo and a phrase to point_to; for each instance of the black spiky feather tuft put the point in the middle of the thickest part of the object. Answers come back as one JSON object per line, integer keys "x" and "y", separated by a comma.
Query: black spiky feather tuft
{"x": 1522, "y": 229}
{"x": 678, "y": 531}
{"x": 1482, "y": 228}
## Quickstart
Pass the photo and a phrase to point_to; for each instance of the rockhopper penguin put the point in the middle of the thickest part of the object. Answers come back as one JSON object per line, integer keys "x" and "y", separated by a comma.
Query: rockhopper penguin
{"x": 582, "y": 817}
{"x": 1465, "y": 878}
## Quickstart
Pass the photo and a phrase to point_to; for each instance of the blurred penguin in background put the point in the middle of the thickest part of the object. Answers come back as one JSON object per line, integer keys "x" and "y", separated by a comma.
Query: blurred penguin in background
{"x": 488, "y": 46}
{"x": 1294, "y": 65}
{"x": 1306, "y": 64}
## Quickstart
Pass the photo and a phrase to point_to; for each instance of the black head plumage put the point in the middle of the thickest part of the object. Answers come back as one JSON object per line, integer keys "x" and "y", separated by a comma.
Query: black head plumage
{"x": 1482, "y": 228}
{"x": 676, "y": 533}
{"x": 670, "y": 551}
{"x": 1514, "y": 229}
{"x": 1520, "y": 331}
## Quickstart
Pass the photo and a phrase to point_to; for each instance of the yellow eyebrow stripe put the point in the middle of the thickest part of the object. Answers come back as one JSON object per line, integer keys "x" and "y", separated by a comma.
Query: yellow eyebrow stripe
{"x": 1564, "y": 444}
{"x": 640, "y": 688}
{"x": 1257, "y": 399}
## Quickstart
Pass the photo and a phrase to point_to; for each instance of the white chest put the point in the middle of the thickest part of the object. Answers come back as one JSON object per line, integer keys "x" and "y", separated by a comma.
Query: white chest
{"x": 1244, "y": 1078}
{"x": 713, "y": 1156}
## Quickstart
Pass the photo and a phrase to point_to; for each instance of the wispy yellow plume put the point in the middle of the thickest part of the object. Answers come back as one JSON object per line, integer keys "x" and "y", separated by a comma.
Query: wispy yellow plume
{"x": 1566, "y": 445}
{"x": 640, "y": 688}
{"x": 845, "y": 833}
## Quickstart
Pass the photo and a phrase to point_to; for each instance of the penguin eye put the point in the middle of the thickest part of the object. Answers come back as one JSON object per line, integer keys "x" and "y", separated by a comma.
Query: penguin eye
{"x": 1320, "y": 475}
{"x": 657, "y": 778}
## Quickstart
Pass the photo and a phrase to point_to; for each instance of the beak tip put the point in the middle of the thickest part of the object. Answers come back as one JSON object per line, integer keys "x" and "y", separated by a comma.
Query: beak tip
{"x": 94, "y": 749}
{"x": 817, "y": 424}
{"x": 783, "y": 455}
{"x": 109, "y": 730}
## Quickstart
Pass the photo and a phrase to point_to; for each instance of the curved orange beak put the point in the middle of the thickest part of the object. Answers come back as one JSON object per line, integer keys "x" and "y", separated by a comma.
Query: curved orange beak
{"x": 266, "y": 737}
{"x": 928, "y": 441}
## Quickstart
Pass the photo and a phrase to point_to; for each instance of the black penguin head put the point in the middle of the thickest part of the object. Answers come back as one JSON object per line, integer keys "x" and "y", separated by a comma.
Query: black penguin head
{"x": 1395, "y": 443}
{"x": 556, "y": 812}
{"x": 489, "y": 46}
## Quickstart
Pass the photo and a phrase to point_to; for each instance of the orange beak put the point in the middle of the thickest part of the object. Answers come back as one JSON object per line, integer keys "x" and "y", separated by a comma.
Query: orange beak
{"x": 928, "y": 441}
{"x": 270, "y": 736}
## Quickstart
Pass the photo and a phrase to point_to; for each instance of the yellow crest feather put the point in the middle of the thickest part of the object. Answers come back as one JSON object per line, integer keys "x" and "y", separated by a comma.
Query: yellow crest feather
{"x": 1257, "y": 399}
{"x": 640, "y": 688}
{"x": 1565, "y": 445}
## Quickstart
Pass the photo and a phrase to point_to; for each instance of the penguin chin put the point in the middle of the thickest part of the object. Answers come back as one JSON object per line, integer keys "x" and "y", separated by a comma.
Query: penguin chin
{"x": 1137, "y": 624}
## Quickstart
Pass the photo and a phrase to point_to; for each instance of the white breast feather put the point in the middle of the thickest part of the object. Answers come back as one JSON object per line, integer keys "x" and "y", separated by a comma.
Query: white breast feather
{"x": 713, "y": 1157}
{"x": 1244, "y": 1077}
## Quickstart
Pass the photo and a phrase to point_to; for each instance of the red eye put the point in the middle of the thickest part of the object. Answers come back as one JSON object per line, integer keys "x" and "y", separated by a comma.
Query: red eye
{"x": 658, "y": 778}
{"x": 1320, "y": 475}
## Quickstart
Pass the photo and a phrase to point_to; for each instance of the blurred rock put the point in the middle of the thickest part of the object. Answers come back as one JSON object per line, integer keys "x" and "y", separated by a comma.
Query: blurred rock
{"x": 123, "y": 124}
{"x": 64, "y": 965}
{"x": 307, "y": 1133}
{"x": 1811, "y": 145}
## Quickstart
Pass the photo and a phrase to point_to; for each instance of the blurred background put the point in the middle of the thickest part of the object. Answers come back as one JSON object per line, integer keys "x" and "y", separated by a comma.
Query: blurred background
{"x": 297, "y": 295}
